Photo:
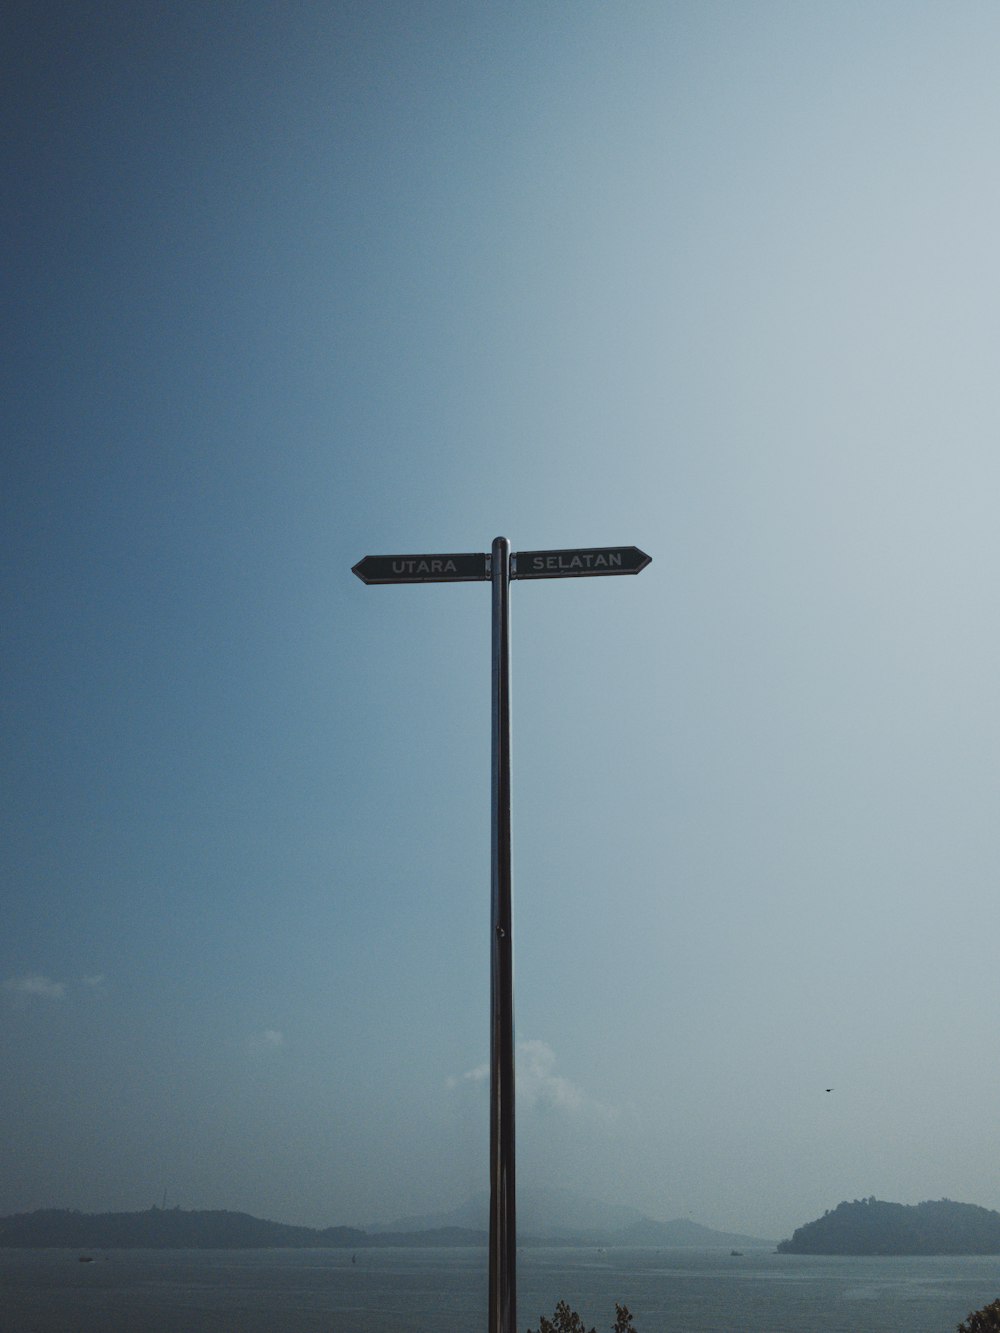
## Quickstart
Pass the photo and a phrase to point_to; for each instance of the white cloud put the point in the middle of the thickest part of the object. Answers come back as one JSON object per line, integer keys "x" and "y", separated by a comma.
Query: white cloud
{"x": 270, "y": 1039}
{"x": 37, "y": 985}
{"x": 477, "y": 1075}
{"x": 93, "y": 981}
{"x": 538, "y": 1086}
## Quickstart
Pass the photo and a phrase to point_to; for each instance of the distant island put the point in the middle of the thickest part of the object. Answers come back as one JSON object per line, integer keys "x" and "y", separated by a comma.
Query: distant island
{"x": 560, "y": 1216}
{"x": 180, "y": 1229}
{"x": 871, "y": 1226}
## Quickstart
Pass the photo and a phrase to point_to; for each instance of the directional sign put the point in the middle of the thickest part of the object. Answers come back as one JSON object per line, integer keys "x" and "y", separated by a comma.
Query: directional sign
{"x": 422, "y": 568}
{"x": 579, "y": 563}
{"x": 500, "y": 567}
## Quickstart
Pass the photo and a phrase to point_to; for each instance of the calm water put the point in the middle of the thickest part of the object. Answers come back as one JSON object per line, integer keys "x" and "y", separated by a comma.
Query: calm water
{"x": 444, "y": 1291}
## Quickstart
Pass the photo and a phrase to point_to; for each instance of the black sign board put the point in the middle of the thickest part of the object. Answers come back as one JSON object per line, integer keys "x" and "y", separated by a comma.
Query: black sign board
{"x": 422, "y": 568}
{"x": 579, "y": 563}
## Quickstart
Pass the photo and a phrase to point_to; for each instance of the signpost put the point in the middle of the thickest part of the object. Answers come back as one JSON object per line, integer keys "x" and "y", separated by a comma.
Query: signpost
{"x": 500, "y": 567}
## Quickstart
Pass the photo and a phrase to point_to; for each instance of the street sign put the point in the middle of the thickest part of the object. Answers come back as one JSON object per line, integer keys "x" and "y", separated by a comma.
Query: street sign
{"x": 579, "y": 563}
{"x": 422, "y": 568}
{"x": 500, "y": 567}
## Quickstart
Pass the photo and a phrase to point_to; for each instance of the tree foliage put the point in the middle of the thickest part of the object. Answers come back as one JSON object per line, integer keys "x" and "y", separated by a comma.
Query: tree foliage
{"x": 986, "y": 1320}
{"x": 565, "y": 1320}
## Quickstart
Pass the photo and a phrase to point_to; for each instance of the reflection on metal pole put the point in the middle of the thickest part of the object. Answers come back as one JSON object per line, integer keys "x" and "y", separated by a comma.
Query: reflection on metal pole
{"x": 503, "y": 1243}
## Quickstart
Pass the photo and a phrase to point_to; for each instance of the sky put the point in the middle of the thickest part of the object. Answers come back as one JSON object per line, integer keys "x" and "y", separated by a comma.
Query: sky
{"x": 290, "y": 284}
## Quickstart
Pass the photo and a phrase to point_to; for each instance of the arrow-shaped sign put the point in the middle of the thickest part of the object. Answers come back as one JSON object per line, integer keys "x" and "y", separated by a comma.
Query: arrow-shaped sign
{"x": 579, "y": 563}
{"x": 422, "y": 568}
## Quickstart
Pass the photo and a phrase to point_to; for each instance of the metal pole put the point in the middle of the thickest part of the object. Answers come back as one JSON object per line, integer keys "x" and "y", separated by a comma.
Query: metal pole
{"x": 503, "y": 1243}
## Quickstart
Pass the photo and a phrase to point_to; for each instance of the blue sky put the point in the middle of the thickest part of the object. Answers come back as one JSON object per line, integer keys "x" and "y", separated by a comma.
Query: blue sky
{"x": 288, "y": 285}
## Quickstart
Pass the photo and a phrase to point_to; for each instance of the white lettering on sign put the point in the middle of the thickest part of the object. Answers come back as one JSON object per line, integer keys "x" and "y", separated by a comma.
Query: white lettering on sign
{"x": 424, "y": 567}
{"x": 578, "y": 560}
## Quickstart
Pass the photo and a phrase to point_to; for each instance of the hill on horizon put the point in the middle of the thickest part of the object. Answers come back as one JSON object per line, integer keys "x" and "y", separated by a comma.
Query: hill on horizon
{"x": 177, "y": 1228}
{"x": 208, "y": 1229}
{"x": 563, "y": 1215}
{"x": 872, "y": 1226}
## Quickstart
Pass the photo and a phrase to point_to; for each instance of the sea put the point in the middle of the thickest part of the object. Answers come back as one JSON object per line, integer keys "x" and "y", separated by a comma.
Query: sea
{"x": 445, "y": 1291}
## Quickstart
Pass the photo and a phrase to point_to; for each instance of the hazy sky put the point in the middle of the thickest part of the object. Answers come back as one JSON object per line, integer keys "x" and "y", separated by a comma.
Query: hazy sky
{"x": 288, "y": 284}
